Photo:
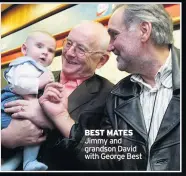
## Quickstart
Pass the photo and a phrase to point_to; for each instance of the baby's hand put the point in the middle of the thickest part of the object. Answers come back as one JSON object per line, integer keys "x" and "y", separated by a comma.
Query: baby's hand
{"x": 45, "y": 78}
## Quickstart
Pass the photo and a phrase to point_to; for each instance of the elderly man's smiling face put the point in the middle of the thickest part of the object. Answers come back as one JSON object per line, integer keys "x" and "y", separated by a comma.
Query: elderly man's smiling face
{"x": 125, "y": 43}
{"x": 78, "y": 61}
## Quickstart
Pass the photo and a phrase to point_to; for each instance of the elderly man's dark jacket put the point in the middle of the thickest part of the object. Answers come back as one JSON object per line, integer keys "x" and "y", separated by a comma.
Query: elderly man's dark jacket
{"x": 124, "y": 112}
{"x": 89, "y": 97}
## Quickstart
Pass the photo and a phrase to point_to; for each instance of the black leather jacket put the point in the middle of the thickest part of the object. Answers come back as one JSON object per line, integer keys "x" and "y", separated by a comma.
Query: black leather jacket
{"x": 123, "y": 111}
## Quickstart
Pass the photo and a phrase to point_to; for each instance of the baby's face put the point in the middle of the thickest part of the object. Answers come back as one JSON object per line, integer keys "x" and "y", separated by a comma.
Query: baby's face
{"x": 41, "y": 47}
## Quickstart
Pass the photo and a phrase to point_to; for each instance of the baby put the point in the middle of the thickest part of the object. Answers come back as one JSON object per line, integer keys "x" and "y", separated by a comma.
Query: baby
{"x": 26, "y": 76}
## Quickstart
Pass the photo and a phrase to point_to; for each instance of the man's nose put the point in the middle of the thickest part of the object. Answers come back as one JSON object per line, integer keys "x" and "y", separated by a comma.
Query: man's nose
{"x": 71, "y": 51}
{"x": 110, "y": 47}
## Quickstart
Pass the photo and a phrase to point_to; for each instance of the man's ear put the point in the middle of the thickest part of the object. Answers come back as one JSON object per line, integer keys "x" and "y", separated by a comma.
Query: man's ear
{"x": 24, "y": 49}
{"x": 103, "y": 60}
{"x": 146, "y": 29}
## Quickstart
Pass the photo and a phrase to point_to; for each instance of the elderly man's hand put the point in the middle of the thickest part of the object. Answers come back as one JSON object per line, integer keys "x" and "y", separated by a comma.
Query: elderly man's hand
{"x": 28, "y": 109}
{"x": 53, "y": 102}
{"x": 21, "y": 133}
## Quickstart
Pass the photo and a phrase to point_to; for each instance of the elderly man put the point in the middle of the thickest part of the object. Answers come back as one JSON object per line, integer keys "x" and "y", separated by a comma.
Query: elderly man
{"x": 84, "y": 51}
{"x": 145, "y": 104}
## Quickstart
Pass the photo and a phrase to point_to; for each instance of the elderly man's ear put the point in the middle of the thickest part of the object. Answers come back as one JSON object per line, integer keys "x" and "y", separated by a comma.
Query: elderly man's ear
{"x": 146, "y": 29}
{"x": 103, "y": 60}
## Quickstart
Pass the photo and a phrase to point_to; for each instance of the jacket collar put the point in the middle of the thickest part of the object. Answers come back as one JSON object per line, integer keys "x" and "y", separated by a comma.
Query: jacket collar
{"x": 175, "y": 68}
{"x": 123, "y": 88}
{"x": 126, "y": 88}
{"x": 84, "y": 93}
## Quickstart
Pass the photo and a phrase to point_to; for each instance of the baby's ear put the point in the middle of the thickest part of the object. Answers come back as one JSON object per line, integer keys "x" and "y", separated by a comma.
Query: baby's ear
{"x": 24, "y": 48}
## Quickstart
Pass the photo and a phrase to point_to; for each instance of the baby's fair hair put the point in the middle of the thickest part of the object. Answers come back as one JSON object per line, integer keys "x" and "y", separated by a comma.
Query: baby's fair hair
{"x": 32, "y": 34}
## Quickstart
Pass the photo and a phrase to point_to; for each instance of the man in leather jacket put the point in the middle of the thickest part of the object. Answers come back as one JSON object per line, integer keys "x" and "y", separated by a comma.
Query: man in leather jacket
{"x": 146, "y": 103}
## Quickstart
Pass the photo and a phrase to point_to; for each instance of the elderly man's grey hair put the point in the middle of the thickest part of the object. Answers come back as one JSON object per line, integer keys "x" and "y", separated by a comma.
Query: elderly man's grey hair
{"x": 162, "y": 25}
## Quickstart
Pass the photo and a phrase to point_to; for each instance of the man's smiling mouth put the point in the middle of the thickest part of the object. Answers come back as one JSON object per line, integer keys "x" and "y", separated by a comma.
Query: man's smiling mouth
{"x": 71, "y": 62}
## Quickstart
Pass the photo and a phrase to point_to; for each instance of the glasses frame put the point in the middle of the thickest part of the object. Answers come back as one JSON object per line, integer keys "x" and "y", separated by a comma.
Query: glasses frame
{"x": 75, "y": 51}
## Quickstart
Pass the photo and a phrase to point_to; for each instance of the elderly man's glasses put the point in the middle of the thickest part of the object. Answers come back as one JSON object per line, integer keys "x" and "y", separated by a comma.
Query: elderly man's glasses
{"x": 79, "y": 49}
